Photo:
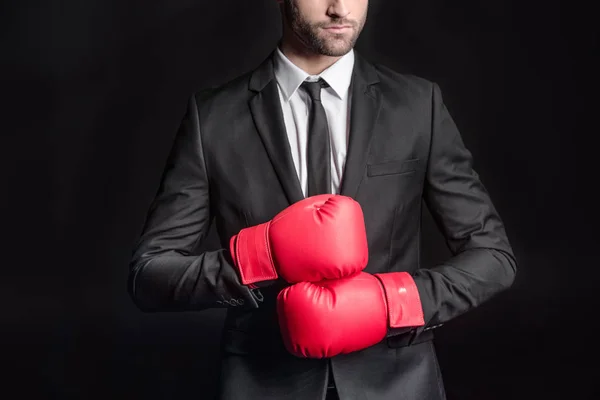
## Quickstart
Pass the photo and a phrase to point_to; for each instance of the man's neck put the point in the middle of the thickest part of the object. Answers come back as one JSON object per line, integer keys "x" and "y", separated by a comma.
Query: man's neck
{"x": 311, "y": 63}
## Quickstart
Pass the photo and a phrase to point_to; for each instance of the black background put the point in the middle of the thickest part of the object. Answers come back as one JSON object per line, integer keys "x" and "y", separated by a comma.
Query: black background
{"x": 93, "y": 92}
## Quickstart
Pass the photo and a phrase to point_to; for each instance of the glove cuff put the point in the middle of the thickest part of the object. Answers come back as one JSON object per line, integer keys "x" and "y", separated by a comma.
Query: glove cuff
{"x": 251, "y": 254}
{"x": 403, "y": 301}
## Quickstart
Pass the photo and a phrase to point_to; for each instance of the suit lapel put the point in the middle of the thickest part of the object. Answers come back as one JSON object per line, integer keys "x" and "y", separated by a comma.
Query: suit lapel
{"x": 267, "y": 114}
{"x": 266, "y": 111}
{"x": 365, "y": 105}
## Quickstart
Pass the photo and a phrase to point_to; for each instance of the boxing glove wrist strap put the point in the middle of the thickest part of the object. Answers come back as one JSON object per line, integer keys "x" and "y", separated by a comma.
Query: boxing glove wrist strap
{"x": 403, "y": 301}
{"x": 250, "y": 251}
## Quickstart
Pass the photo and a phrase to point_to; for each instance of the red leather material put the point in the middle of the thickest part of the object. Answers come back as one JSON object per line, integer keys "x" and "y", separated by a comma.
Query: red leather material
{"x": 251, "y": 253}
{"x": 332, "y": 317}
{"x": 404, "y": 303}
{"x": 320, "y": 237}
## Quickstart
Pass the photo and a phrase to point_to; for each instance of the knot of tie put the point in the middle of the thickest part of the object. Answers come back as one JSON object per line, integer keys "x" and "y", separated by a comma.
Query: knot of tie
{"x": 314, "y": 88}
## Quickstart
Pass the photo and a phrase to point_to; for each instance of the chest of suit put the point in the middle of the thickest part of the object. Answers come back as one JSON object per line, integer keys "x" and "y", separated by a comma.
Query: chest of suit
{"x": 252, "y": 177}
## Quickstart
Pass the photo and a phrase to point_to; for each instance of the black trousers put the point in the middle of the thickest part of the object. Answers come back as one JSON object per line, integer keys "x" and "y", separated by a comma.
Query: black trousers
{"x": 332, "y": 395}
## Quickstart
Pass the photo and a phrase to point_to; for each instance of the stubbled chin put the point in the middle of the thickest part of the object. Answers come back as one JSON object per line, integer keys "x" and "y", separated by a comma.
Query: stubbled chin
{"x": 338, "y": 45}
{"x": 337, "y": 51}
{"x": 337, "y": 40}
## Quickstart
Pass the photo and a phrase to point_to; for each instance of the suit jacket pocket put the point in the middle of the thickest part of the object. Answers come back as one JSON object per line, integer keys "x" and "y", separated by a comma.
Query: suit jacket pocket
{"x": 396, "y": 167}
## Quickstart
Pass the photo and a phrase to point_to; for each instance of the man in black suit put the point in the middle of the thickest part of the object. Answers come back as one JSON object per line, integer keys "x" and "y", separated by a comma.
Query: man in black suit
{"x": 250, "y": 149}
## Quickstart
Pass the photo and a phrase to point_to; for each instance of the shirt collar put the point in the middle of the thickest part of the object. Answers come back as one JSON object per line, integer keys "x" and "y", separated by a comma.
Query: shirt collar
{"x": 290, "y": 77}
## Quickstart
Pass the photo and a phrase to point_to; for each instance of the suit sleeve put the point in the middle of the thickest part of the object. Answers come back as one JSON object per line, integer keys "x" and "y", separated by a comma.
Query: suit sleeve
{"x": 482, "y": 262}
{"x": 167, "y": 273}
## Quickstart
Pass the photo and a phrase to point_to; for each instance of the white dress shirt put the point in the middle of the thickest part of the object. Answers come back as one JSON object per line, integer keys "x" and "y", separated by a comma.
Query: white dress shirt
{"x": 296, "y": 104}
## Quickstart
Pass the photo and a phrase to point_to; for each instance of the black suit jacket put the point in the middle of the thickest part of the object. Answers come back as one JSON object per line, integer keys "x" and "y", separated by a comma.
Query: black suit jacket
{"x": 231, "y": 163}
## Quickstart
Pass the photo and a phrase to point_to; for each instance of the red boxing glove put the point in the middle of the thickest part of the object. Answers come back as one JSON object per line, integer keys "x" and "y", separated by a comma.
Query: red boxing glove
{"x": 320, "y": 237}
{"x": 328, "y": 318}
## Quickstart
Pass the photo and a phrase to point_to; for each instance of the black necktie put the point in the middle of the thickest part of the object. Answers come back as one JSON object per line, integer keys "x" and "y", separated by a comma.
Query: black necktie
{"x": 318, "y": 149}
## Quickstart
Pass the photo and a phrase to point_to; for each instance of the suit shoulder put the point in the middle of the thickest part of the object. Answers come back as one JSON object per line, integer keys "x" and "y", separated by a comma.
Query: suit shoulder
{"x": 406, "y": 82}
{"x": 225, "y": 92}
